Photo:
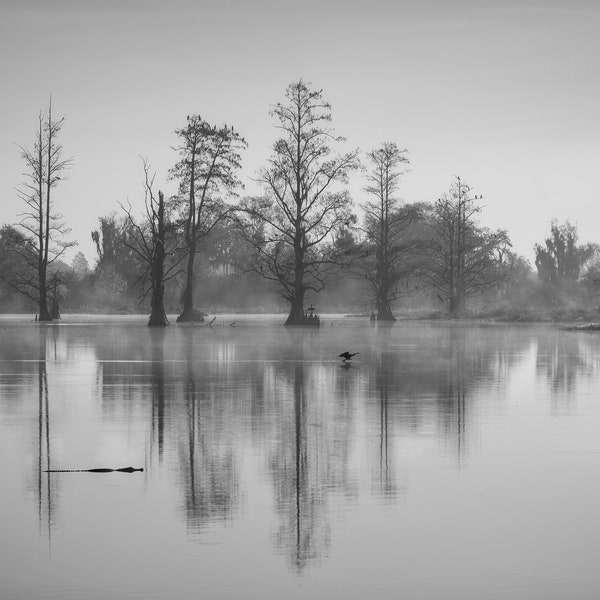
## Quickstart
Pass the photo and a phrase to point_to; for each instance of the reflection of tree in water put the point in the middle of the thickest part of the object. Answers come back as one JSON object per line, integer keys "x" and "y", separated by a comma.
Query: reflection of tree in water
{"x": 384, "y": 474}
{"x": 427, "y": 375}
{"x": 467, "y": 363}
{"x": 45, "y": 494}
{"x": 131, "y": 375}
{"x": 309, "y": 461}
{"x": 300, "y": 407}
{"x": 208, "y": 465}
{"x": 419, "y": 379}
{"x": 563, "y": 356}
{"x": 189, "y": 413}
{"x": 299, "y": 495}
{"x": 157, "y": 337}
{"x": 124, "y": 372}
{"x": 181, "y": 400}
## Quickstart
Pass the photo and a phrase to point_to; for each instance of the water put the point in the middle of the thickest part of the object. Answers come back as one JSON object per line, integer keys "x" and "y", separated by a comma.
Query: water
{"x": 447, "y": 461}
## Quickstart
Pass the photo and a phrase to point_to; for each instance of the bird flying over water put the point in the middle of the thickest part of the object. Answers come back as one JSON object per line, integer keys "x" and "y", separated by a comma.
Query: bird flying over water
{"x": 347, "y": 355}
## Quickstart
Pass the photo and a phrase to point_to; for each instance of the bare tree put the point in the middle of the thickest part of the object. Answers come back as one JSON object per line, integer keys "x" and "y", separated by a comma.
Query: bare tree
{"x": 461, "y": 259}
{"x": 386, "y": 228}
{"x": 302, "y": 207}
{"x": 207, "y": 172}
{"x": 153, "y": 242}
{"x": 43, "y": 226}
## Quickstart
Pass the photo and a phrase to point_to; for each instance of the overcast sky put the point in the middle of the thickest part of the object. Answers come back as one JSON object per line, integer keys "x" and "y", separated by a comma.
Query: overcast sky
{"x": 505, "y": 94}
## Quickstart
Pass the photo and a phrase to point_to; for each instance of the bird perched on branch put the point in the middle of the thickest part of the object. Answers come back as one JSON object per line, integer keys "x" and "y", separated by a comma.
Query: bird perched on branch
{"x": 347, "y": 355}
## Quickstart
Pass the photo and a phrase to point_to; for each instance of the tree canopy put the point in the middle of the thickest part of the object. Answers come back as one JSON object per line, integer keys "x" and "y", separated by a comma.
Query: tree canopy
{"x": 305, "y": 200}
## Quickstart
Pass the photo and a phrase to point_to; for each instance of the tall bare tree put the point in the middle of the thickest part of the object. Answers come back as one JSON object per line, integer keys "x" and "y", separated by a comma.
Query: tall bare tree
{"x": 156, "y": 247}
{"x": 207, "y": 173}
{"x": 44, "y": 227}
{"x": 461, "y": 259}
{"x": 306, "y": 200}
{"x": 386, "y": 225}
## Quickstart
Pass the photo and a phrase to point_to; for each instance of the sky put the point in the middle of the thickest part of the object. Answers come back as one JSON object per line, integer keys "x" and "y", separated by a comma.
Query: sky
{"x": 505, "y": 94}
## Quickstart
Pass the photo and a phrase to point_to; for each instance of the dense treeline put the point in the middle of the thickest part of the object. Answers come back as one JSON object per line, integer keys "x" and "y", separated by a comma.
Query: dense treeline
{"x": 304, "y": 241}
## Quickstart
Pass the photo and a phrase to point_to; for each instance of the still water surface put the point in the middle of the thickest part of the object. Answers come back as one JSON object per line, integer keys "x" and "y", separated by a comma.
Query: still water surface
{"x": 447, "y": 461}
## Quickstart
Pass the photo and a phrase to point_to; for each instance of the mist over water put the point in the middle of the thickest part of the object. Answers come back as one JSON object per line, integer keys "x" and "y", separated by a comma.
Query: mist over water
{"x": 447, "y": 460}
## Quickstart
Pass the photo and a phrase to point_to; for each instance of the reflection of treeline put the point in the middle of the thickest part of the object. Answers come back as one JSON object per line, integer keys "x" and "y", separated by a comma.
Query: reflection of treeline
{"x": 429, "y": 381}
{"x": 564, "y": 359}
{"x": 213, "y": 399}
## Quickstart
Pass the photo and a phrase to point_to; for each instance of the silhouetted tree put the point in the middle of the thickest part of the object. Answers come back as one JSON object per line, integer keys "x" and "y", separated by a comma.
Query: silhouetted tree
{"x": 116, "y": 271}
{"x": 460, "y": 259}
{"x": 590, "y": 275}
{"x": 514, "y": 269}
{"x": 206, "y": 171}
{"x": 153, "y": 240}
{"x": 107, "y": 239}
{"x": 43, "y": 226}
{"x": 13, "y": 264}
{"x": 302, "y": 207}
{"x": 386, "y": 263}
{"x": 80, "y": 265}
{"x": 560, "y": 259}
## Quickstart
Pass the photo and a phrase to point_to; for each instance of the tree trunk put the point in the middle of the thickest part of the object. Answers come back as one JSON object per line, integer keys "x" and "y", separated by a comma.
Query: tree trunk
{"x": 296, "y": 316}
{"x": 44, "y": 312}
{"x": 55, "y": 310}
{"x": 455, "y": 304}
{"x": 158, "y": 317}
{"x": 43, "y": 303}
{"x": 384, "y": 310}
{"x": 189, "y": 314}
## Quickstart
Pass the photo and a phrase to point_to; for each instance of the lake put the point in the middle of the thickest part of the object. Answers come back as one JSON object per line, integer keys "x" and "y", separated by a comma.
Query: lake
{"x": 447, "y": 460}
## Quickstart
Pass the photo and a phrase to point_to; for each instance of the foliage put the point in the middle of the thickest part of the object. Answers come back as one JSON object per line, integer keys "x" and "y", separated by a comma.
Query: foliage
{"x": 560, "y": 259}
{"x": 111, "y": 290}
{"x": 113, "y": 242}
{"x": 80, "y": 265}
{"x": 13, "y": 264}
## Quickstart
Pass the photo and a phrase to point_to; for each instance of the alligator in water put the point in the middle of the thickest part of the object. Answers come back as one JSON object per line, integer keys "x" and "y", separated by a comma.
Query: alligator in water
{"x": 121, "y": 470}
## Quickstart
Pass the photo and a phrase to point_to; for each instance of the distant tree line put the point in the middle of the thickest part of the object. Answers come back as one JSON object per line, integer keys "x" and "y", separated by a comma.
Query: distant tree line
{"x": 303, "y": 241}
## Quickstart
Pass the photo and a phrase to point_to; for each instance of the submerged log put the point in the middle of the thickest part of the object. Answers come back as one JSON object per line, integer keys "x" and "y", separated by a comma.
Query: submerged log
{"x": 100, "y": 470}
